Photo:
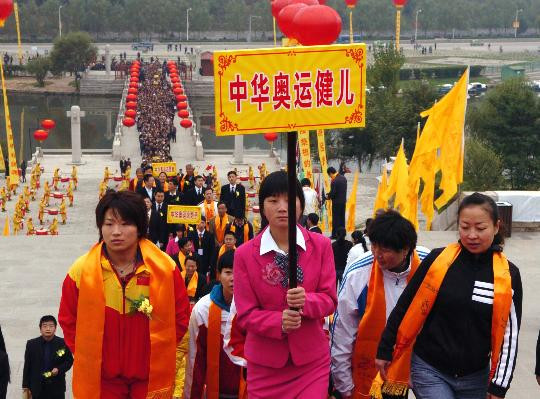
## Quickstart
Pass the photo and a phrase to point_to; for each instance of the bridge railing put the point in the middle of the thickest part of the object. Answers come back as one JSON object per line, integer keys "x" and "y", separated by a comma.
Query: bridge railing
{"x": 117, "y": 140}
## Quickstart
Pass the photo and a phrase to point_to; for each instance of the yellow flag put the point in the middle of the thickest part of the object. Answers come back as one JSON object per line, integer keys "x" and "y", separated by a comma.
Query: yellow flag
{"x": 351, "y": 204}
{"x": 381, "y": 201}
{"x": 322, "y": 157}
{"x": 426, "y": 199}
{"x": 305, "y": 154}
{"x": 6, "y": 227}
{"x": 18, "y": 25}
{"x": 399, "y": 182}
{"x": 12, "y": 159}
{"x": 444, "y": 132}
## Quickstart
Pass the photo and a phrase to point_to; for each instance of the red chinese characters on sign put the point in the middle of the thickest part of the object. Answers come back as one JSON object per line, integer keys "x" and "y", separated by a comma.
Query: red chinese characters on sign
{"x": 262, "y": 89}
{"x": 185, "y": 214}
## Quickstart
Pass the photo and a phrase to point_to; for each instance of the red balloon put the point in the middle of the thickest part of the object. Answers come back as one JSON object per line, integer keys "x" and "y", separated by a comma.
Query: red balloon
{"x": 278, "y": 5}
{"x": 351, "y": 3}
{"x": 6, "y": 8}
{"x": 41, "y": 135}
{"x": 270, "y": 136}
{"x": 48, "y": 124}
{"x": 317, "y": 25}
{"x": 286, "y": 17}
{"x": 182, "y": 105}
{"x": 181, "y": 97}
{"x": 130, "y": 113}
{"x": 183, "y": 113}
{"x": 133, "y": 90}
{"x": 131, "y": 105}
{"x": 186, "y": 123}
{"x": 128, "y": 122}
{"x": 400, "y": 3}
{"x": 131, "y": 97}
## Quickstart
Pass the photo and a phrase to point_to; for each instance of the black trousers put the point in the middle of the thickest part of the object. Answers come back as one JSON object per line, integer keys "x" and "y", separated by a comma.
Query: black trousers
{"x": 50, "y": 392}
{"x": 338, "y": 217}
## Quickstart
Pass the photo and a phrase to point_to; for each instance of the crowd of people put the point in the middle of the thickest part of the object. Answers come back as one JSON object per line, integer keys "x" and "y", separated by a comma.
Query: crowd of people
{"x": 155, "y": 113}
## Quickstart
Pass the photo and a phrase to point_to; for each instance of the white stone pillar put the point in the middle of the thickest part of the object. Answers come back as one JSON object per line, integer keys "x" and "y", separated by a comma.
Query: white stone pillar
{"x": 108, "y": 60}
{"x": 239, "y": 149}
{"x": 76, "y": 153}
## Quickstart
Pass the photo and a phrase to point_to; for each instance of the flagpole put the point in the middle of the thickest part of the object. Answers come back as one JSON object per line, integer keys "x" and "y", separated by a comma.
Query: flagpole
{"x": 291, "y": 177}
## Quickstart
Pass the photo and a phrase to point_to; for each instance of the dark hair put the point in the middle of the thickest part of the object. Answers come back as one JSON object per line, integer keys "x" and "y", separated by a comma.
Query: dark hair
{"x": 162, "y": 172}
{"x": 46, "y": 319}
{"x": 159, "y": 190}
{"x": 391, "y": 230}
{"x": 341, "y": 233}
{"x": 125, "y": 204}
{"x": 275, "y": 184}
{"x": 305, "y": 182}
{"x": 313, "y": 218}
{"x": 147, "y": 177}
{"x": 330, "y": 170}
{"x": 232, "y": 172}
{"x": 488, "y": 204}
{"x": 199, "y": 177}
{"x": 368, "y": 222}
{"x": 147, "y": 167}
{"x": 221, "y": 203}
{"x": 179, "y": 227}
{"x": 182, "y": 242}
{"x": 230, "y": 230}
{"x": 173, "y": 181}
{"x": 208, "y": 188}
{"x": 203, "y": 218}
{"x": 193, "y": 258}
{"x": 226, "y": 261}
{"x": 358, "y": 238}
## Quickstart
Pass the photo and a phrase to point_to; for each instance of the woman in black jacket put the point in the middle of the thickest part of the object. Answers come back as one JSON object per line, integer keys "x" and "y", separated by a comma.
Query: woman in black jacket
{"x": 341, "y": 248}
{"x": 463, "y": 308}
{"x": 4, "y": 368}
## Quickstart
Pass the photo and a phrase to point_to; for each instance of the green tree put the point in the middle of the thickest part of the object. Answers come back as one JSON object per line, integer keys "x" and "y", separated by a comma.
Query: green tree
{"x": 72, "y": 53}
{"x": 384, "y": 73}
{"x": 483, "y": 168}
{"x": 509, "y": 120}
{"x": 39, "y": 67}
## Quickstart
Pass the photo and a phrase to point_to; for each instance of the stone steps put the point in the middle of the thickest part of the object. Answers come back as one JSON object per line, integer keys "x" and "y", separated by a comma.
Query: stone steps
{"x": 102, "y": 87}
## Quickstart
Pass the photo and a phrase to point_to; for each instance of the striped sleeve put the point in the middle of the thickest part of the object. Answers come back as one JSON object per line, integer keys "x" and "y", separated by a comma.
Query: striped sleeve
{"x": 500, "y": 382}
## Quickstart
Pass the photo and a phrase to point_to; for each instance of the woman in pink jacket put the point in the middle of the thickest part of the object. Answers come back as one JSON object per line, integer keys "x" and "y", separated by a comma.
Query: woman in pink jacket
{"x": 287, "y": 351}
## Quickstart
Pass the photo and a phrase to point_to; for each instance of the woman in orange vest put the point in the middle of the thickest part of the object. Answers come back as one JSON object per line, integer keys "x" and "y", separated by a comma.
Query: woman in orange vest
{"x": 461, "y": 309}
{"x": 123, "y": 284}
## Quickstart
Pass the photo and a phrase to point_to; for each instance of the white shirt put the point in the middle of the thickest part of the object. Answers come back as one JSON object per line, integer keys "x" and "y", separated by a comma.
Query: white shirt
{"x": 268, "y": 244}
{"x": 149, "y": 191}
{"x": 311, "y": 200}
{"x": 233, "y": 188}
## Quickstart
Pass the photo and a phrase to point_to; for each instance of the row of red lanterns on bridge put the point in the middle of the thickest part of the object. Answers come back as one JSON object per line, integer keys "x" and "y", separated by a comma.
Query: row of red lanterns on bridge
{"x": 181, "y": 98}
{"x": 131, "y": 99}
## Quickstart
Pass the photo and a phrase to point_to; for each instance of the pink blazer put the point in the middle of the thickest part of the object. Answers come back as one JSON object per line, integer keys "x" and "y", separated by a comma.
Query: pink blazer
{"x": 260, "y": 303}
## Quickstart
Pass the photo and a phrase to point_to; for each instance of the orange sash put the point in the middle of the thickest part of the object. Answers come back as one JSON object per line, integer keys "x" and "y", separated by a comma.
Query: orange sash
{"x": 370, "y": 329}
{"x": 91, "y": 321}
{"x": 220, "y": 227}
{"x": 222, "y": 250}
{"x": 213, "y": 349}
{"x": 246, "y": 231}
{"x": 425, "y": 297}
{"x": 209, "y": 210}
{"x": 192, "y": 285}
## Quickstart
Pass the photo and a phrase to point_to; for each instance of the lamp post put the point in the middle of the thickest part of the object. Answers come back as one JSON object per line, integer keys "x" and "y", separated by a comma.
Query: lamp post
{"x": 416, "y": 26}
{"x": 187, "y": 24}
{"x": 60, "y": 21}
{"x": 516, "y": 22}
{"x": 250, "y": 19}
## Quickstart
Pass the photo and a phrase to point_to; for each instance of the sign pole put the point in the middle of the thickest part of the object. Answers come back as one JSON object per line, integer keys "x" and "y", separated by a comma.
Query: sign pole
{"x": 291, "y": 177}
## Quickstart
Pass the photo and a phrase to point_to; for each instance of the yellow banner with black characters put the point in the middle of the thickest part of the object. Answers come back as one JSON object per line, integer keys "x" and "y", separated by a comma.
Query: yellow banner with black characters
{"x": 305, "y": 154}
{"x": 183, "y": 214}
{"x": 290, "y": 88}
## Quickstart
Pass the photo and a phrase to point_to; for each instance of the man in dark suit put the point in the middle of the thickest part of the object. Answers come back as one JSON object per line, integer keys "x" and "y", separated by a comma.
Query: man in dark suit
{"x": 203, "y": 247}
{"x": 187, "y": 180}
{"x": 148, "y": 189}
{"x": 338, "y": 195}
{"x": 158, "y": 228}
{"x": 195, "y": 196}
{"x": 234, "y": 195}
{"x": 46, "y": 362}
{"x": 173, "y": 197}
{"x": 312, "y": 223}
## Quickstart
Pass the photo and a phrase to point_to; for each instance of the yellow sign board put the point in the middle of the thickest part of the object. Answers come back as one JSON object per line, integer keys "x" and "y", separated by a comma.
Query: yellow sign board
{"x": 290, "y": 88}
{"x": 167, "y": 167}
{"x": 182, "y": 214}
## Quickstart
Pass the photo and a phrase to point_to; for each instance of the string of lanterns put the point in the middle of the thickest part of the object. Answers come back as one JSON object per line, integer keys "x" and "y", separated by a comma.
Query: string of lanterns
{"x": 181, "y": 98}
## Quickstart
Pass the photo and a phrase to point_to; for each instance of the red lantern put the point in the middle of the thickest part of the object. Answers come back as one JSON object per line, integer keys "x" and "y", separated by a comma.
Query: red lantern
{"x": 351, "y": 3}
{"x": 186, "y": 123}
{"x": 130, "y": 113}
{"x": 128, "y": 122}
{"x": 41, "y": 135}
{"x": 183, "y": 113}
{"x": 173, "y": 74}
{"x": 317, "y": 25}
{"x": 272, "y": 136}
{"x": 6, "y": 8}
{"x": 48, "y": 124}
{"x": 131, "y": 97}
{"x": 400, "y": 3}
{"x": 182, "y": 105}
{"x": 286, "y": 17}
{"x": 133, "y": 90}
{"x": 175, "y": 80}
{"x": 135, "y": 85}
{"x": 278, "y": 5}
{"x": 173, "y": 70}
{"x": 134, "y": 79}
{"x": 181, "y": 97}
{"x": 131, "y": 105}
{"x": 135, "y": 74}
{"x": 178, "y": 90}
{"x": 308, "y": 2}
